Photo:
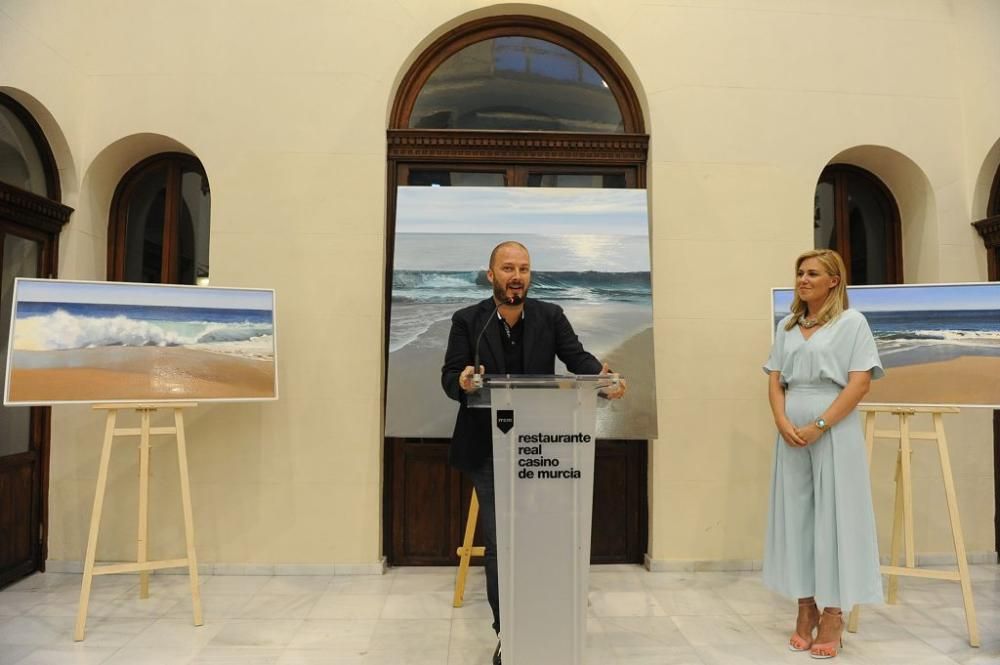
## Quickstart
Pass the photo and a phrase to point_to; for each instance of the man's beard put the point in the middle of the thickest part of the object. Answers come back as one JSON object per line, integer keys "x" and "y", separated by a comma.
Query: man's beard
{"x": 500, "y": 295}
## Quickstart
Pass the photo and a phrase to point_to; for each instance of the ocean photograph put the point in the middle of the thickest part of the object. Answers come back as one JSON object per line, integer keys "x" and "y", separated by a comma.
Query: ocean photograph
{"x": 589, "y": 254}
{"x": 110, "y": 342}
{"x": 939, "y": 343}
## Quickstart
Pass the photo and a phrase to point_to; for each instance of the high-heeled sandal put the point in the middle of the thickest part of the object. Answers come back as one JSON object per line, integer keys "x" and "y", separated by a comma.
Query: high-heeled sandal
{"x": 830, "y": 635}
{"x": 805, "y": 624}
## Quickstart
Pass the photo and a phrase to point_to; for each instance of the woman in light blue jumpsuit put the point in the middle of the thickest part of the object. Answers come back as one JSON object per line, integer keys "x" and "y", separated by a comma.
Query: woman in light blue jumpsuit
{"x": 821, "y": 544}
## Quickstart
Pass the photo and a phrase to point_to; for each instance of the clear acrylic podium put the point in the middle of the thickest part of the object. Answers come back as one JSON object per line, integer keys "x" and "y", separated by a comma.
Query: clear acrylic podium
{"x": 543, "y": 467}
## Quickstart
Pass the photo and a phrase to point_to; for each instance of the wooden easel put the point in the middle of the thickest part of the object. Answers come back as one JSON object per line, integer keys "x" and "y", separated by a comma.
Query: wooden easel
{"x": 142, "y": 565}
{"x": 467, "y": 550}
{"x": 902, "y": 520}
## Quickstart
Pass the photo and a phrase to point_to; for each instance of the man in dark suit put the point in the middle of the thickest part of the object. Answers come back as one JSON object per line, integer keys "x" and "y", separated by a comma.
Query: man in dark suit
{"x": 519, "y": 336}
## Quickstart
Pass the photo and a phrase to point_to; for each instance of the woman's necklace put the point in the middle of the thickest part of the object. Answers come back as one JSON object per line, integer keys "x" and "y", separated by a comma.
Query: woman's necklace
{"x": 808, "y": 323}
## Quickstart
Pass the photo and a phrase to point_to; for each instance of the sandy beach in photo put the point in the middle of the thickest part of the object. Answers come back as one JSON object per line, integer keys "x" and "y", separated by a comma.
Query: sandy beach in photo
{"x": 939, "y": 343}
{"x": 964, "y": 380}
{"x": 636, "y": 413}
{"x": 420, "y": 407}
{"x": 415, "y": 381}
{"x": 136, "y": 373}
{"x": 107, "y": 342}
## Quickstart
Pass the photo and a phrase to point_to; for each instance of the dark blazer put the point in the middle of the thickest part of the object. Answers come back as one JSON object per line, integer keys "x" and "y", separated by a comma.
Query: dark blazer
{"x": 547, "y": 334}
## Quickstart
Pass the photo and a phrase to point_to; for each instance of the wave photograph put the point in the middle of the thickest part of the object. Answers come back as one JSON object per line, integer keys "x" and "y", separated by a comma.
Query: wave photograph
{"x": 939, "y": 343}
{"x": 192, "y": 346}
{"x": 589, "y": 255}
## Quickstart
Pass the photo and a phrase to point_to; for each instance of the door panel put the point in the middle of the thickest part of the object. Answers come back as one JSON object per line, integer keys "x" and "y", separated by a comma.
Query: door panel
{"x": 426, "y": 509}
{"x": 586, "y": 177}
{"x": 16, "y": 543}
{"x": 20, "y": 434}
{"x": 20, "y": 259}
{"x": 619, "y": 522}
{"x": 430, "y": 504}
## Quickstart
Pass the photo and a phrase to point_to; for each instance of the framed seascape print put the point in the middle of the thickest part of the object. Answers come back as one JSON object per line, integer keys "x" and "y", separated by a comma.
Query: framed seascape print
{"x": 939, "y": 343}
{"x": 589, "y": 253}
{"x": 87, "y": 342}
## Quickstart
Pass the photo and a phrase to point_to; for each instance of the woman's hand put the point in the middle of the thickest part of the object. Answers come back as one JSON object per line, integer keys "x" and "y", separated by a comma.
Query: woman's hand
{"x": 788, "y": 432}
{"x": 810, "y": 433}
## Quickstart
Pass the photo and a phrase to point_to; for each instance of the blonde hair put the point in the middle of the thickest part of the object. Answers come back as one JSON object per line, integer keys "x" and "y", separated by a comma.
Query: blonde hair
{"x": 836, "y": 301}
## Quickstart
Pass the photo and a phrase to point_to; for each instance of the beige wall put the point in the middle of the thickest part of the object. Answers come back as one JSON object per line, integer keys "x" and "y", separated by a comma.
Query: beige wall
{"x": 286, "y": 106}
{"x": 980, "y": 53}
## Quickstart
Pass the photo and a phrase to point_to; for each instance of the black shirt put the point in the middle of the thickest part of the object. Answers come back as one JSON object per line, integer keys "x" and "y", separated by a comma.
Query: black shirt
{"x": 513, "y": 344}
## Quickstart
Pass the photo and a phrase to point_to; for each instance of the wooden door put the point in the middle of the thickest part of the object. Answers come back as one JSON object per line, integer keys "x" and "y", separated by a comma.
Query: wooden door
{"x": 426, "y": 502}
{"x": 993, "y": 275}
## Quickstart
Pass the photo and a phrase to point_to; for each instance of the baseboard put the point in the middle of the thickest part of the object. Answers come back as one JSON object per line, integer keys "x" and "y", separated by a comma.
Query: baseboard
{"x": 700, "y": 565}
{"x": 380, "y": 567}
{"x": 377, "y": 568}
{"x": 744, "y": 565}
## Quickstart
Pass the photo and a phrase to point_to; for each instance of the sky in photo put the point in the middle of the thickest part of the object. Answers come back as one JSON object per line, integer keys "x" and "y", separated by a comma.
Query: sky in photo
{"x": 912, "y": 298}
{"x": 521, "y": 210}
{"x": 113, "y": 293}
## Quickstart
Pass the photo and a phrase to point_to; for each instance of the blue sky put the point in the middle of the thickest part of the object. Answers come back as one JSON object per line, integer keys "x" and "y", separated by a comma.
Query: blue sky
{"x": 522, "y": 210}
{"x": 912, "y": 298}
{"x": 104, "y": 293}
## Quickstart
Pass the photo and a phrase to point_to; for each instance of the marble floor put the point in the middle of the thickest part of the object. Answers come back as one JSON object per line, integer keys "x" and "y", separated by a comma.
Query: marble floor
{"x": 405, "y": 618}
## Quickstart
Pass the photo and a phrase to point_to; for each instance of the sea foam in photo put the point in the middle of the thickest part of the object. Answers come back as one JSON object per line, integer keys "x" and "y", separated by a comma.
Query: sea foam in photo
{"x": 108, "y": 342}
{"x": 62, "y": 326}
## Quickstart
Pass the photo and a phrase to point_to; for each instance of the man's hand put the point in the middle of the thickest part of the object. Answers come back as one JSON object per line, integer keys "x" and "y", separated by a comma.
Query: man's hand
{"x": 465, "y": 381}
{"x": 613, "y": 392}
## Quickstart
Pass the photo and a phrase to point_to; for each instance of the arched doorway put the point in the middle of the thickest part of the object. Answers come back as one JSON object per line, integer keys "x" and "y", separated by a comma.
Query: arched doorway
{"x": 31, "y": 217}
{"x": 989, "y": 230}
{"x": 510, "y": 101}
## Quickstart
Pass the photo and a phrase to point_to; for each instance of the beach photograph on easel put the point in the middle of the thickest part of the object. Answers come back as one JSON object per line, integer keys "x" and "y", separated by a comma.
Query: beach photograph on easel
{"x": 589, "y": 252}
{"x": 87, "y": 342}
{"x": 939, "y": 343}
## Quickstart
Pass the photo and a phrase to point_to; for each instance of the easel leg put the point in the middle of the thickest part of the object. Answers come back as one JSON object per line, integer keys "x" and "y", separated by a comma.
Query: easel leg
{"x": 142, "y": 549}
{"x": 465, "y": 553}
{"x": 95, "y": 523}
{"x": 869, "y": 436}
{"x": 907, "y": 478}
{"x": 897, "y": 528}
{"x": 188, "y": 516}
{"x": 956, "y": 531}
{"x": 855, "y": 616}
